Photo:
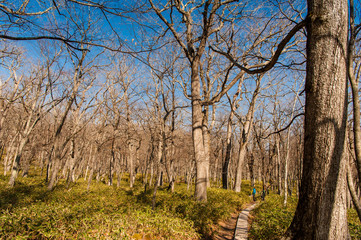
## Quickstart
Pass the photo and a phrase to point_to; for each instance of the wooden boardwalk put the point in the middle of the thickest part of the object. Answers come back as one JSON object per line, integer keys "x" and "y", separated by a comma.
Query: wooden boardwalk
{"x": 241, "y": 231}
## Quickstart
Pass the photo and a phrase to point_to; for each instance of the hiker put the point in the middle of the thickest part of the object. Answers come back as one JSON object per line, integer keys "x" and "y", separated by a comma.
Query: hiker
{"x": 263, "y": 195}
{"x": 254, "y": 194}
{"x": 266, "y": 188}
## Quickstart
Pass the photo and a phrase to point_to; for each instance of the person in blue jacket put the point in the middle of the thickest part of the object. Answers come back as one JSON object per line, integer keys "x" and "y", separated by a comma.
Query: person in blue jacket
{"x": 254, "y": 194}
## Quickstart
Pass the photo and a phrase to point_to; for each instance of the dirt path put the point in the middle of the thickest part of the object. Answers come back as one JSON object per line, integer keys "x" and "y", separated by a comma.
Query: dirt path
{"x": 227, "y": 229}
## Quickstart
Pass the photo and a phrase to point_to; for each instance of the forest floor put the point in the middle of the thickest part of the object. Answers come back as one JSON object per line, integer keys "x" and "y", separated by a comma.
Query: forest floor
{"x": 30, "y": 211}
{"x": 226, "y": 230}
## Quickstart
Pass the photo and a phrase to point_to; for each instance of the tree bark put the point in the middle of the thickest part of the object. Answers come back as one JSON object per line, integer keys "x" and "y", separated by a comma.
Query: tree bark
{"x": 11, "y": 151}
{"x": 24, "y": 138}
{"x": 131, "y": 160}
{"x": 200, "y": 193}
{"x": 206, "y": 140}
{"x": 241, "y": 157}
{"x": 16, "y": 163}
{"x": 227, "y": 158}
{"x": 321, "y": 210}
{"x": 288, "y": 153}
{"x": 286, "y": 168}
{"x": 279, "y": 166}
{"x": 111, "y": 162}
{"x": 247, "y": 126}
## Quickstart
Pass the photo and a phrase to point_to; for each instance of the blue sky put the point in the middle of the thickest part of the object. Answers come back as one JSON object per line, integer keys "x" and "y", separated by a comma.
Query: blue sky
{"x": 72, "y": 21}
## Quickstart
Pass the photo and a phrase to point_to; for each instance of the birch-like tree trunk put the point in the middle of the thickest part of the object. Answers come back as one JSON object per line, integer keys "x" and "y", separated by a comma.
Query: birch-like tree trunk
{"x": 35, "y": 111}
{"x": 192, "y": 38}
{"x": 202, "y": 163}
{"x": 246, "y": 132}
{"x": 288, "y": 152}
{"x": 279, "y": 165}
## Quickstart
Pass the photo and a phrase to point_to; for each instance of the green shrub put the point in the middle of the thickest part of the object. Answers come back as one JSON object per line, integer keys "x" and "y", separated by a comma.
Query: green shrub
{"x": 29, "y": 211}
{"x": 220, "y": 204}
{"x": 271, "y": 219}
{"x": 354, "y": 224}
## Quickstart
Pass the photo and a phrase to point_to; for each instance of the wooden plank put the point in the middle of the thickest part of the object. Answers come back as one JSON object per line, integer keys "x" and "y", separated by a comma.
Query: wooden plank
{"x": 241, "y": 231}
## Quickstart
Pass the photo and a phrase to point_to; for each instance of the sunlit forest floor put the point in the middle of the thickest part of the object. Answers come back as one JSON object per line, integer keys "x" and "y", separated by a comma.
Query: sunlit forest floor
{"x": 271, "y": 219}
{"x": 29, "y": 211}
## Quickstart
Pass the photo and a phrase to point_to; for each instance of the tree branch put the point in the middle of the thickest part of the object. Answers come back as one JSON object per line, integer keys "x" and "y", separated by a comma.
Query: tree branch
{"x": 224, "y": 90}
{"x": 267, "y": 65}
{"x": 21, "y": 12}
{"x": 66, "y": 41}
{"x": 285, "y": 128}
{"x": 171, "y": 28}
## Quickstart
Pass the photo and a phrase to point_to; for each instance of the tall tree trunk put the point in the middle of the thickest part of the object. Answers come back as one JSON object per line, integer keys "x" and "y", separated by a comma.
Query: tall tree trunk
{"x": 300, "y": 163}
{"x": 56, "y": 163}
{"x": 279, "y": 166}
{"x": 243, "y": 149}
{"x": 10, "y": 153}
{"x": 241, "y": 156}
{"x": 71, "y": 163}
{"x": 202, "y": 164}
{"x": 24, "y": 138}
{"x": 251, "y": 168}
{"x": 90, "y": 179}
{"x": 287, "y": 152}
{"x": 264, "y": 173}
{"x": 157, "y": 183}
{"x": 214, "y": 173}
{"x": 286, "y": 168}
{"x": 247, "y": 126}
{"x": 120, "y": 169}
{"x": 227, "y": 158}
{"x": 170, "y": 167}
{"x": 48, "y": 165}
{"x": 111, "y": 162}
{"x": 159, "y": 157}
{"x": 16, "y": 162}
{"x": 131, "y": 161}
{"x": 206, "y": 140}
{"x": 321, "y": 210}
{"x": 55, "y": 167}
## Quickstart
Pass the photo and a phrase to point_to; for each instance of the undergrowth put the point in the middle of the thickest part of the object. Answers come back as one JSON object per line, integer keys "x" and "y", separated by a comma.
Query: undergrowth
{"x": 354, "y": 224}
{"x": 29, "y": 211}
{"x": 271, "y": 219}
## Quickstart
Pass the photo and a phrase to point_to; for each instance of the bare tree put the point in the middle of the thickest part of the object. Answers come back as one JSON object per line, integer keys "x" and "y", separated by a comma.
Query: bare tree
{"x": 35, "y": 103}
{"x": 246, "y": 133}
{"x": 193, "y": 41}
{"x": 321, "y": 210}
{"x": 287, "y": 148}
{"x": 353, "y": 75}
{"x": 227, "y": 158}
